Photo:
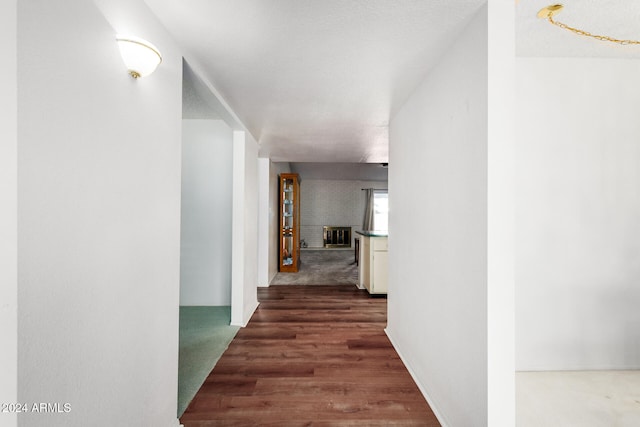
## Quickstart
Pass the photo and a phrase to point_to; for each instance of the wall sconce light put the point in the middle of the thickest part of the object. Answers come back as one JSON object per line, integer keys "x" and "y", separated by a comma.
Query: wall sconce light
{"x": 141, "y": 57}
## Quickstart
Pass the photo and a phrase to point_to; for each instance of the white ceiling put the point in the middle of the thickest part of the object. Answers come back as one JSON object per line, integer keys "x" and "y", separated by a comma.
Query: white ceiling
{"x": 614, "y": 18}
{"x": 194, "y": 104}
{"x": 316, "y": 80}
{"x": 319, "y": 80}
{"x": 341, "y": 171}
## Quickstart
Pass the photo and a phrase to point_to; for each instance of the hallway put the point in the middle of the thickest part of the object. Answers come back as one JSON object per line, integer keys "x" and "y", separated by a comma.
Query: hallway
{"x": 311, "y": 355}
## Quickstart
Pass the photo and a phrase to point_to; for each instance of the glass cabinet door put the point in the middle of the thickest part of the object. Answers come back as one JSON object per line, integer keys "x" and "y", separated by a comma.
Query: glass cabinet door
{"x": 289, "y": 222}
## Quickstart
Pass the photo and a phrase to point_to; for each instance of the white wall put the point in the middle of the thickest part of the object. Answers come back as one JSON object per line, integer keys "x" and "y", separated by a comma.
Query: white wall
{"x": 251, "y": 227}
{"x": 333, "y": 203}
{"x": 8, "y": 209}
{"x": 274, "y": 205}
{"x": 264, "y": 166}
{"x": 99, "y": 217}
{"x": 501, "y": 213}
{"x": 205, "y": 241}
{"x": 244, "y": 269}
{"x": 437, "y": 302}
{"x": 578, "y": 234}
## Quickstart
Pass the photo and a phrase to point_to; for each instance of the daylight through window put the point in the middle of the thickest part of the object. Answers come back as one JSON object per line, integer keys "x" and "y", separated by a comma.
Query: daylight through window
{"x": 381, "y": 210}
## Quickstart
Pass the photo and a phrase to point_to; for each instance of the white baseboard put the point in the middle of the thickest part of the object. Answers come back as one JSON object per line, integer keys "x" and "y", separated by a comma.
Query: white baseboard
{"x": 247, "y": 316}
{"x": 249, "y": 313}
{"x": 576, "y": 367}
{"x": 271, "y": 278}
{"x": 422, "y": 388}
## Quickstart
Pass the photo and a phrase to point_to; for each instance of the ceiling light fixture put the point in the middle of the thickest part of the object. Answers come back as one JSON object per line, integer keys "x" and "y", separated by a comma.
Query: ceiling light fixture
{"x": 550, "y": 11}
{"x": 141, "y": 57}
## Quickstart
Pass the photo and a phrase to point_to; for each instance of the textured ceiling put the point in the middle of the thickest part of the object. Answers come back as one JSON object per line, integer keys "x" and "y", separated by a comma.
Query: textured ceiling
{"x": 316, "y": 80}
{"x": 194, "y": 104}
{"x": 613, "y": 18}
{"x": 341, "y": 171}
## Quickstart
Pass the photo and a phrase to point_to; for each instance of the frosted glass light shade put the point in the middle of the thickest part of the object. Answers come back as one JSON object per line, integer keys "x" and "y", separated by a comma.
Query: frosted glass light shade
{"x": 141, "y": 57}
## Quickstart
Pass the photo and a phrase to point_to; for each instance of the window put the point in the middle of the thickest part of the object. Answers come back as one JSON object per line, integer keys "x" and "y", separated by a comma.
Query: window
{"x": 381, "y": 210}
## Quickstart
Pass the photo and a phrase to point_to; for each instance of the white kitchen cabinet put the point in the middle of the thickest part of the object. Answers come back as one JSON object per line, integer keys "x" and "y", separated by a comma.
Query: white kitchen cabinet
{"x": 373, "y": 268}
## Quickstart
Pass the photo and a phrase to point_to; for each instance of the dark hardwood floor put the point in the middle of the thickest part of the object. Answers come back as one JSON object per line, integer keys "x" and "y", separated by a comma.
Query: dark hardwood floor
{"x": 311, "y": 356}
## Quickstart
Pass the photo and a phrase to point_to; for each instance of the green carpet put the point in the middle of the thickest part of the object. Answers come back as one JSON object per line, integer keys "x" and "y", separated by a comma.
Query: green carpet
{"x": 204, "y": 335}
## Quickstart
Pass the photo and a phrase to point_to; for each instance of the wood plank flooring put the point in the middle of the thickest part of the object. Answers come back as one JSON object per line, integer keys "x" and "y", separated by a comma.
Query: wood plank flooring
{"x": 311, "y": 356}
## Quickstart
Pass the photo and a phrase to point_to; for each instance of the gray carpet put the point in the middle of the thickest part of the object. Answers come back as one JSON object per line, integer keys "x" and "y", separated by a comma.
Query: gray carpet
{"x": 204, "y": 335}
{"x": 322, "y": 267}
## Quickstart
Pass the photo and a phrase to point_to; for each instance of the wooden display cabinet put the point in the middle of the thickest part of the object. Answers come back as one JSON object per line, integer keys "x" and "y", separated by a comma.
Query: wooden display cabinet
{"x": 289, "y": 258}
